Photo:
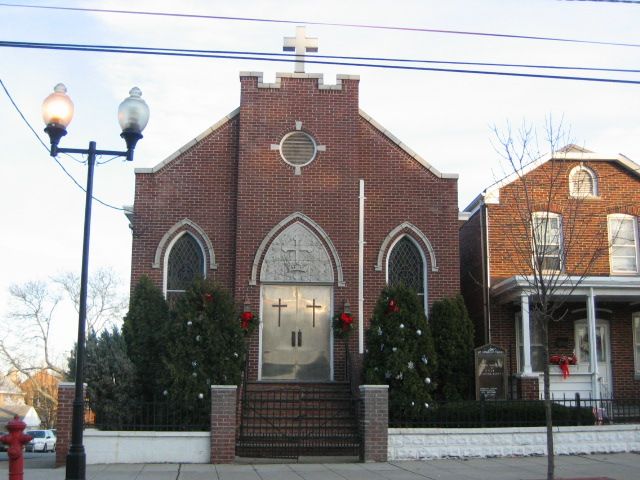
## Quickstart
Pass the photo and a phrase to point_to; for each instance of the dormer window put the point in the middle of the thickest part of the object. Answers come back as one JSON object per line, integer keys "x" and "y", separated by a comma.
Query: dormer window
{"x": 582, "y": 182}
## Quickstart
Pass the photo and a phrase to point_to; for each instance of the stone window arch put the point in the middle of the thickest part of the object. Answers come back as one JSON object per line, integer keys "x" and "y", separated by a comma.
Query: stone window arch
{"x": 406, "y": 265}
{"x": 184, "y": 262}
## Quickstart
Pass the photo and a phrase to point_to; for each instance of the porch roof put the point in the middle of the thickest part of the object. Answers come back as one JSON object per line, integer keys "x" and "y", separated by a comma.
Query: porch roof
{"x": 625, "y": 288}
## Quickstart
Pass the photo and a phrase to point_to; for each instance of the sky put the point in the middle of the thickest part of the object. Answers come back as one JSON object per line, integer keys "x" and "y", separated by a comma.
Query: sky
{"x": 447, "y": 118}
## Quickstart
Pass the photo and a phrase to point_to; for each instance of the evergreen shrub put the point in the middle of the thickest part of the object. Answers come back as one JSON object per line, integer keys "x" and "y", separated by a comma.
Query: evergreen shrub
{"x": 400, "y": 351}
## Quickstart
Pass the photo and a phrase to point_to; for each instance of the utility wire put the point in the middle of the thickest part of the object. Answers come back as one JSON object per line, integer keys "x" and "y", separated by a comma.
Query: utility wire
{"x": 24, "y": 119}
{"x": 326, "y": 24}
{"x": 180, "y": 53}
{"x": 307, "y": 56}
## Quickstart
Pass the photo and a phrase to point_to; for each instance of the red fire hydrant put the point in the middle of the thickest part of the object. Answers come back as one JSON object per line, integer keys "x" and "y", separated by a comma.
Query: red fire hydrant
{"x": 16, "y": 439}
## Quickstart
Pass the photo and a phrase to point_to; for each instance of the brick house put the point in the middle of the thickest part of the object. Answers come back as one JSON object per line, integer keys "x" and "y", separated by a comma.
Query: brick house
{"x": 579, "y": 209}
{"x": 302, "y": 206}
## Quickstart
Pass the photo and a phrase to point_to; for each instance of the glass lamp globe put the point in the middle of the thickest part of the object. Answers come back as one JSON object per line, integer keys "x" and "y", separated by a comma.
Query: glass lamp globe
{"x": 57, "y": 108}
{"x": 133, "y": 112}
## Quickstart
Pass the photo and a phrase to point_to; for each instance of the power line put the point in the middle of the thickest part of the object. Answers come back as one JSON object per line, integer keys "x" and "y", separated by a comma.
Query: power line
{"x": 24, "y": 119}
{"x": 236, "y": 56}
{"x": 325, "y": 24}
{"x": 242, "y": 54}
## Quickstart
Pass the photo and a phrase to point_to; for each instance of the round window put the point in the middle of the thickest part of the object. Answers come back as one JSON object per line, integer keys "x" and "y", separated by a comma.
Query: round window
{"x": 298, "y": 148}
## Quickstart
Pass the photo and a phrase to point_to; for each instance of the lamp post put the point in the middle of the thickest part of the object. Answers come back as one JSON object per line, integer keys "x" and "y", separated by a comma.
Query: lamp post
{"x": 57, "y": 111}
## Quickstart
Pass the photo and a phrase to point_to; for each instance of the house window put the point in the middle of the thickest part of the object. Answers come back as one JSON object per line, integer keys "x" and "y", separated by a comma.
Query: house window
{"x": 547, "y": 237}
{"x": 582, "y": 182}
{"x": 636, "y": 342}
{"x": 536, "y": 336}
{"x": 184, "y": 264}
{"x": 406, "y": 266}
{"x": 623, "y": 241}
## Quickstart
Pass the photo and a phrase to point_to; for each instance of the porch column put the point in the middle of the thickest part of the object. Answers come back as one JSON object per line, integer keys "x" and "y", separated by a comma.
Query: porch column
{"x": 593, "y": 348}
{"x": 526, "y": 333}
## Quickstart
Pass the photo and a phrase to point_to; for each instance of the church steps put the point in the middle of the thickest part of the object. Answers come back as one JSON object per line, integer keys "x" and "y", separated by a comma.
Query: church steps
{"x": 286, "y": 420}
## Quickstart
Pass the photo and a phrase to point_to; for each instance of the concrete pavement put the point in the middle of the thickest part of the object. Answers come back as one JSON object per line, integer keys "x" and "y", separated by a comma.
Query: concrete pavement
{"x": 623, "y": 466}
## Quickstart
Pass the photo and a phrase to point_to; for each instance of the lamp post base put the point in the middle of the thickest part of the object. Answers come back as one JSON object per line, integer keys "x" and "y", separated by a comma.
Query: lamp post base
{"x": 76, "y": 463}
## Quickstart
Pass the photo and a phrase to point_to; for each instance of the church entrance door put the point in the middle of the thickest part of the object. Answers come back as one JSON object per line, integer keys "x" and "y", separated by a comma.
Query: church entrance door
{"x": 296, "y": 332}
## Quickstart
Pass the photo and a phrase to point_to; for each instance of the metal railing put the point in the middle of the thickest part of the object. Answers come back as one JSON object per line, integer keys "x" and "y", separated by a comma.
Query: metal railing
{"x": 160, "y": 416}
{"x": 518, "y": 413}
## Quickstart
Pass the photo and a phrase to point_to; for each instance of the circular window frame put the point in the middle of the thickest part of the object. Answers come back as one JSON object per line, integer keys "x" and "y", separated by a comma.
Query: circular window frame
{"x": 298, "y": 165}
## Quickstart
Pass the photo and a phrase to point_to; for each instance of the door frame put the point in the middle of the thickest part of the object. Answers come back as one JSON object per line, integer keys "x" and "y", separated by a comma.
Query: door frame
{"x": 261, "y": 327}
{"x": 606, "y": 345}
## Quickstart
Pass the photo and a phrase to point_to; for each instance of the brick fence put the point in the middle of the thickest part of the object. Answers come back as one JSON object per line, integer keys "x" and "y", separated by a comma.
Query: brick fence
{"x": 223, "y": 423}
{"x": 374, "y": 421}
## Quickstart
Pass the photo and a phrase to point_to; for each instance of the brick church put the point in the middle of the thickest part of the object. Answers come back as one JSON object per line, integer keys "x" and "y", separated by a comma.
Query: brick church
{"x": 302, "y": 206}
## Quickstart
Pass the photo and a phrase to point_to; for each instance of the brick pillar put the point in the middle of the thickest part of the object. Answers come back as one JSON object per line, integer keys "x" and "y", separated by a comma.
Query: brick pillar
{"x": 528, "y": 388}
{"x": 223, "y": 423}
{"x": 66, "y": 393}
{"x": 374, "y": 422}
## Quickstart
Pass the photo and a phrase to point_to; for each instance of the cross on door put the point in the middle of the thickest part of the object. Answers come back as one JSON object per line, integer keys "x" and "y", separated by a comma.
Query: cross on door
{"x": 300, "y": 44}
{"x": 279, "y": 306}
{"x": 313, "y": 306}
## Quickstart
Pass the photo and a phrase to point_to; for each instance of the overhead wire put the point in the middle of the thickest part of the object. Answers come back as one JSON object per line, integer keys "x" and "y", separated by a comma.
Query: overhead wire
{"x": 308, "y": 59}
{"x": 324, "y": 24}
{"x": 242, "y": 54}
{"x": 24, "y": 119}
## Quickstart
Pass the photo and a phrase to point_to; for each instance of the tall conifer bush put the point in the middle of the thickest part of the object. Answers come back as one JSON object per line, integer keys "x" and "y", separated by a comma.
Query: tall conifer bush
{"x": 145, "y": 331}
{"x": 453, "y": 339}
{"x": 400, "y": 352}
{"x": 207, "y": 344}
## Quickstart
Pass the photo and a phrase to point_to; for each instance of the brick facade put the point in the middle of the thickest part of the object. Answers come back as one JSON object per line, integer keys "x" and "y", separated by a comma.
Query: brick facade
{"x": 497, "y": 217}
{"x": 236, "y": 189}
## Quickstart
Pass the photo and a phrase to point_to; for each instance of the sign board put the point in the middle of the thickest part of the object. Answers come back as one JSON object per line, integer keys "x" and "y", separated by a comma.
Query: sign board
{"x": 491, "y": 373}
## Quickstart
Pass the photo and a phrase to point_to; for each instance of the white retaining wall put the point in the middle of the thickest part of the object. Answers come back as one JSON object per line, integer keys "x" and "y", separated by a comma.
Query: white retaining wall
{"x": 146, "y": 447}
{"x": 425, "y": 443}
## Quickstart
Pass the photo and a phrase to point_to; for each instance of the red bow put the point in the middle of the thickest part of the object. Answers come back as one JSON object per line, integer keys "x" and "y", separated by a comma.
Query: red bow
{"x": 393, "y": 307}
{"x": 346, "y": 321}
{"x": 245, "y": 319}
{"x": 208, "y": 297}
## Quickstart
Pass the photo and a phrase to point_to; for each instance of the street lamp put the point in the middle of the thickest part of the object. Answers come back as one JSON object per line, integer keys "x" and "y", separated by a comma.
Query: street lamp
{"x": 57, "y": 111}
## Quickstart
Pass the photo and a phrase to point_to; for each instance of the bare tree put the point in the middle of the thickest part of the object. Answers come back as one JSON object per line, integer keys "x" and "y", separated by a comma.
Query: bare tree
{"x": 105, "y": 305}
{"x": 554, "y": 238}
{"x": 27, "y": 333}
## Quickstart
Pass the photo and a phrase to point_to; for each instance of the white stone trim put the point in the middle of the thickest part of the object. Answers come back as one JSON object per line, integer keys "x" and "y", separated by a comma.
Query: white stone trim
{"x": 431, "y": 443}
{"x": 181, "y": 224}
{"x": 317, "y": 230}
{"x": 416, "y": 231}
{"x": 318, "y": 76}
{"x": 190, "y": 144}
{"x": 405, "y": 148}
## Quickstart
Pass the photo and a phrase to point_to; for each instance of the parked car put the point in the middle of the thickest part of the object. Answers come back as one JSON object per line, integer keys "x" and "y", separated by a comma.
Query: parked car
{"x": 43, "y": 441}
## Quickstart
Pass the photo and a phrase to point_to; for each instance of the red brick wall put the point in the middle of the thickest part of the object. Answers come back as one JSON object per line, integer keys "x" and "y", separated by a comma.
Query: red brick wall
{"x": 237, "y": 189}
{"x": 584, "y": 221}
{"x": 223, "y": 423}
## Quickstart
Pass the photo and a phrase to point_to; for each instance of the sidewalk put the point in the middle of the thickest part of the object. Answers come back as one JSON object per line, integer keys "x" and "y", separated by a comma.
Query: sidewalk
{"x": 622, "y": 466}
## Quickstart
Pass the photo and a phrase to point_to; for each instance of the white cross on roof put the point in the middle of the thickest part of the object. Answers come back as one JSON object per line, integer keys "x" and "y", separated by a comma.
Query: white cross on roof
{"x": 300, "y": 44}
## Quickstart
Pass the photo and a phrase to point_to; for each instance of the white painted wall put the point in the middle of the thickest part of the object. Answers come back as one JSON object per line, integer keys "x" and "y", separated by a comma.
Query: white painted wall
{"x": 426, "y": 443}
{"x": 146, "y": 447}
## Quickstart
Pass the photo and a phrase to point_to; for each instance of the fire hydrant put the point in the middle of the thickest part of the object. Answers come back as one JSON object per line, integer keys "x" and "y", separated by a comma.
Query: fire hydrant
{"x": 16, "y": 439}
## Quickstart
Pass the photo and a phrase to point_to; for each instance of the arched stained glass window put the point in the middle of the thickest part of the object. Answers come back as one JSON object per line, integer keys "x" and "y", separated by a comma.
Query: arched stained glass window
{"x": 406, "y": 266}
{"x": 185, "y": 263}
